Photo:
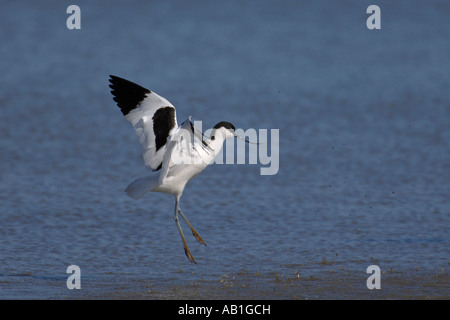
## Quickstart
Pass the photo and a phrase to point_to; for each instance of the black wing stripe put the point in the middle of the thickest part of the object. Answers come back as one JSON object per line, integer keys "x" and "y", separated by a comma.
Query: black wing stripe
{"x": 159, "y": 167}
{"x": 127, "y": 94}
{"x": 163, "y": 122}
{"x": 193, "y": 134}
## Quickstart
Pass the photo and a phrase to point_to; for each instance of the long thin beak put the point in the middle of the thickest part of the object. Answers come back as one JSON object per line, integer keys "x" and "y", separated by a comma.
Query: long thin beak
{"x": 245, "y": 139}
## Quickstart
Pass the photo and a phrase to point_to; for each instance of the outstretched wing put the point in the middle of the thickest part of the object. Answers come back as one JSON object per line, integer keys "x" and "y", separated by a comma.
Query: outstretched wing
{"x": 152, "y": 116}
{"x": 185, "y": 148}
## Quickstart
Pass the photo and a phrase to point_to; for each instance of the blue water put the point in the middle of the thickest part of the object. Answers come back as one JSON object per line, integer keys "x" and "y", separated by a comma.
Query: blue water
{"x": 363, "y": 117}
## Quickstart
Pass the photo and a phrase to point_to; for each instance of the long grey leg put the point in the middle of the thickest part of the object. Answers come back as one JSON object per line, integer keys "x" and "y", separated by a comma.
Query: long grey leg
{"x": 175, "y": 217}
{"x": 195, "y": 233}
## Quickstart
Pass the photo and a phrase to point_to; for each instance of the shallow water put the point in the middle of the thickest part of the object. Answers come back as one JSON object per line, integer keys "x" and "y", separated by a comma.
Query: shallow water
{"x": 364, "y": 150}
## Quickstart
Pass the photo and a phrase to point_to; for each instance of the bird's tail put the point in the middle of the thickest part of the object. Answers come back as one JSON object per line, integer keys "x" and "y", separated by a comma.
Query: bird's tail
{"x": 140, "y": 186}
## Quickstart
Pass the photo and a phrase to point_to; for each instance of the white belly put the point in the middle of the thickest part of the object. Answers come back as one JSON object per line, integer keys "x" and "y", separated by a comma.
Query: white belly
{"x": 177, "y": 178}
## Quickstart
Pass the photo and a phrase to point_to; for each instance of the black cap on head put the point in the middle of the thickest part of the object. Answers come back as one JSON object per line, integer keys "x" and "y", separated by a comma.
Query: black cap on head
{"x": 224, "y": 124}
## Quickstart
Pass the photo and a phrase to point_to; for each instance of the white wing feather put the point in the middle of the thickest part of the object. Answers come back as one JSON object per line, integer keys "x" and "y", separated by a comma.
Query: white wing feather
{"x": 152, "y": 116}
{"x": 183, "y": 149}
{"x": 142, "y": 120}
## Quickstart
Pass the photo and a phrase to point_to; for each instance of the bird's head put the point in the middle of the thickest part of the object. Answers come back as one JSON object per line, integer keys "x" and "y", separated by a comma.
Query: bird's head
{"x": 224, "y": 129}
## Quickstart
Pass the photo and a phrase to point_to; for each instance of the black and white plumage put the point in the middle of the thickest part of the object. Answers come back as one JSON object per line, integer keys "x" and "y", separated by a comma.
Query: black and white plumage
{"x": 175, "y": 153}
{"x": 152, "y": 116}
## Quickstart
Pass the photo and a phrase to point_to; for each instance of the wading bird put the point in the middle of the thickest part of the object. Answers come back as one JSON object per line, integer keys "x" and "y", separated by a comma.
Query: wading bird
{"x": 175, "y": 154}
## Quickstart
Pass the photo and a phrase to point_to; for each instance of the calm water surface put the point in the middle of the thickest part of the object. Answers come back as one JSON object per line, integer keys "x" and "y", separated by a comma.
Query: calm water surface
{"x": 364, "y": 148}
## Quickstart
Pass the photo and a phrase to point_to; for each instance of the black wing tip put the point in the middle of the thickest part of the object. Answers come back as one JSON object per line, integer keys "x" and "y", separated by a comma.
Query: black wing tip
{"x": 114, "y": 79}
{"x": 128, "y": 95}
